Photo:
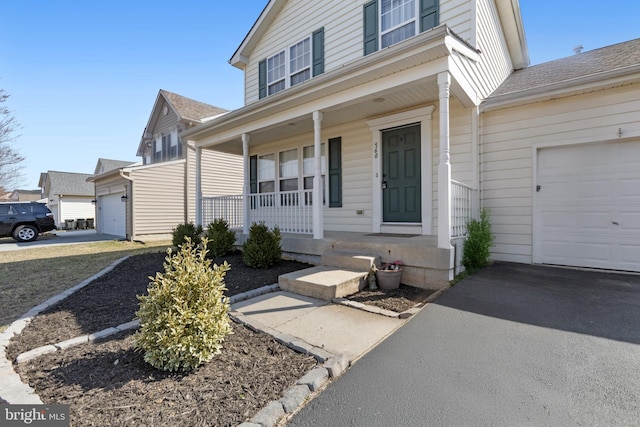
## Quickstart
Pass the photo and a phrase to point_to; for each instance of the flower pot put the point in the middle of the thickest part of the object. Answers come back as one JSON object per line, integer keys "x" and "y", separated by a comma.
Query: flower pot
{"x": 388, "y": 279}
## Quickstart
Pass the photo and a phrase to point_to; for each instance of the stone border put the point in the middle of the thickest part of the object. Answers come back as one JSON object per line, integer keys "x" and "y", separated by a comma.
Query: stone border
{"x": 332, "y": 365}
{"x": 12, "y": 389}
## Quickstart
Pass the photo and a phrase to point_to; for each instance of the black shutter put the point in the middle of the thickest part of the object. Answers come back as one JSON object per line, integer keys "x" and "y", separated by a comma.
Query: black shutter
{"x": 370, "y": 35}
{"x": 429, "y": 11}
{"x": 318, "y": 52}
{"x": 262, "y": 79}
{"x": 335, "y": 172}
{"x": 253, "y": 174}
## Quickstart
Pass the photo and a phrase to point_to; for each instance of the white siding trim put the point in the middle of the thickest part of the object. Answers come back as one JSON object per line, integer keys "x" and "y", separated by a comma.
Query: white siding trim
{"x": 376, "y": 126}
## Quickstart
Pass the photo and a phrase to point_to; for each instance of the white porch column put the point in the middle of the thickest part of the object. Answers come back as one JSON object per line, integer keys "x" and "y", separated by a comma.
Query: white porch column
{"x": 246, "y": 188}
{"x": 318, "y": 227}
{"x": 444, "y": 166}
{"x": 198, "y": 186}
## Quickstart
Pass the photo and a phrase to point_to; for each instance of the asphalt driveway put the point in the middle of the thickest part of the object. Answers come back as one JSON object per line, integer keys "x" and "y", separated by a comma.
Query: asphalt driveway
{"x": 56, "y": 238}
{"x": 512, "y": 345}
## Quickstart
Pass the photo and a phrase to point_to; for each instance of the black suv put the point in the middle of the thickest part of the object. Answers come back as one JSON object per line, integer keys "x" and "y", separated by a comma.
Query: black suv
{"x": 25, "y": 220}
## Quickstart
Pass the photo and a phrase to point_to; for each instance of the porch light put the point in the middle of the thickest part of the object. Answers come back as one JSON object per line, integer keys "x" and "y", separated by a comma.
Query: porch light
{"x": 378, "y": 100}
{"x": 124, "y": 197}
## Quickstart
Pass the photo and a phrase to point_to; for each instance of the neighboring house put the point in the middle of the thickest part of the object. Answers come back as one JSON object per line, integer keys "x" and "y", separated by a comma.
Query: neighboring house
{"x": 405, "y": 117}
{"x": 143, "y": 201}
{"x": 25, "y": 195}
{"x": 69, "y": 196}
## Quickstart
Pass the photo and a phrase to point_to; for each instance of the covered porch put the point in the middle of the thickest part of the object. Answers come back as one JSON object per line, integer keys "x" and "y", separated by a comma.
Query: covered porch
{"x": 286, "y": 142}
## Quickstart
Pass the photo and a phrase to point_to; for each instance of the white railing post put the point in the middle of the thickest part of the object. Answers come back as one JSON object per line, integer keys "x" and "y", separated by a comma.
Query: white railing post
{"x": 316, "y": 201}
{"x": 198, "y": 186}
{"x": 246, "y": 188}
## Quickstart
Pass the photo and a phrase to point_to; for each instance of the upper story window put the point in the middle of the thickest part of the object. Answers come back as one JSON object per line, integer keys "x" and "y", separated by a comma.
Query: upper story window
{"x": 276, "y": 70}
{"x": 397, "y": 21}
{"x": 296, "y": 64}
{"x": 387, "y": 22}
{"x": 300, "y": 61}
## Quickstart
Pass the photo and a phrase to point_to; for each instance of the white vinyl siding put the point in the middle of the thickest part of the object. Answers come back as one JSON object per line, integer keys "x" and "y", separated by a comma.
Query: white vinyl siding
{"x": 495, "y": 62}
{"x": 507, "y": 168}
{"x": 158, "y": 195}
{"x": 222, "y": 175}
{"x": 343, "y": 27}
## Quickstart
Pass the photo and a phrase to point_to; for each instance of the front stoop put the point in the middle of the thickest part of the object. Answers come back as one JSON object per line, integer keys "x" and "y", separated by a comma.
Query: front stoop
{"x": 324, "y": 282}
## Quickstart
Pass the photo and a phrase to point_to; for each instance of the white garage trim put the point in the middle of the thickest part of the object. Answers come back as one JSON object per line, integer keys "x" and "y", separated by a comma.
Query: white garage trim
{"x": 113, "y": 215}
{"x": 586, "y": 209}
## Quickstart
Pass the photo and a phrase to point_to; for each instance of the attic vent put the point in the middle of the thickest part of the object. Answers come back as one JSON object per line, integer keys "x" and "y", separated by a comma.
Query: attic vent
{"x": 578, "y": 49}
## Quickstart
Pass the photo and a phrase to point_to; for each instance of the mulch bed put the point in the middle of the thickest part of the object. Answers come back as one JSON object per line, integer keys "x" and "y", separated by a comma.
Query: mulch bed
{"x": 108, "y": 383}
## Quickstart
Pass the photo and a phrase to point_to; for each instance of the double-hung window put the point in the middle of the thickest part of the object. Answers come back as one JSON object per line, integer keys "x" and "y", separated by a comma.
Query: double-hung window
{"x": 300, "y": 62}
{"x": 397, "y": 21}
{"x": 294, "y": 65}
{"x": 266, "y": 173}
{"x": 276, "y": 70}
{"x": 387, "y": 22}
{"x": 308, "y": 169}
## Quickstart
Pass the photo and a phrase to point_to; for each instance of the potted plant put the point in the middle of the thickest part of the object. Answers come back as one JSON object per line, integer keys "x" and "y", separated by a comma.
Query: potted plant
{"x": 389, "y": 275}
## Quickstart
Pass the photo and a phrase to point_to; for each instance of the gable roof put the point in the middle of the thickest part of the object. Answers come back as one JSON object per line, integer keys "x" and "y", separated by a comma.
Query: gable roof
{"x": 621, "y": 57}
{"x": 187, "y": 110}
{"x": 68, "y": 183}
{"x": 190, "y": 109}
{"x": 105, "y": 165}
{"x": 508, "y": 10}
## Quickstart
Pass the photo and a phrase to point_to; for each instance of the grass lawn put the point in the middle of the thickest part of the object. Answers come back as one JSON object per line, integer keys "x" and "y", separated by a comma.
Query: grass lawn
{"x": 31, "y": 276}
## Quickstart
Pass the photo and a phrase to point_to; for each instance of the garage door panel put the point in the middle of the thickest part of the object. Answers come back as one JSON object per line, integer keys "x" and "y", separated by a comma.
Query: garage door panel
{"x": 587, "y": 212}
{"x": 113, "y": 215}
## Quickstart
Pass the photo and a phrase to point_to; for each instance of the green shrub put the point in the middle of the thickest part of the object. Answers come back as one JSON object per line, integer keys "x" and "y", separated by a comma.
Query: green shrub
{"x": 479, "y": 240}
{"x": 221, "y": 239}
{"x": 262, "y": 248}
{"x": 183, "y": 319}
{"x": 182, "y": 231}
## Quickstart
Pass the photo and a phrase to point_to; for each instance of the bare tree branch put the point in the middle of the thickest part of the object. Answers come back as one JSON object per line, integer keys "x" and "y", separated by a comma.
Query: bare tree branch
{"x": 10, "y": 158}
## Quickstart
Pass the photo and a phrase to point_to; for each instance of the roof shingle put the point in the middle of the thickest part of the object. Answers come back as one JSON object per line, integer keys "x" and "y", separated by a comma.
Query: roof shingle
{"x": 609, "y": 58}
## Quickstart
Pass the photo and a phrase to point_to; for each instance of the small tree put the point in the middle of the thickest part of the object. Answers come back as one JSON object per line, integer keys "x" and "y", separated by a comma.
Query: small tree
{"x": 262, "y": 248}
{"x": 184, "y": 231}
{"x": 221, "y": 239}
{"x": 184, "y": 318}
{"x": 10, "y": 158}
{"x": 477, "y": 246}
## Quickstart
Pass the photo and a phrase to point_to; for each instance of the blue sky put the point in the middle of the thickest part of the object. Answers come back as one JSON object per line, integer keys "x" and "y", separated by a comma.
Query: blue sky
{"x": 83, "y": 75}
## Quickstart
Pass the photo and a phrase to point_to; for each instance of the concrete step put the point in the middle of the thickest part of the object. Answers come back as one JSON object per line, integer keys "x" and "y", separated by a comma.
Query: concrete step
{"x": 323, "y": 282}
{"x": 349, "y": 260}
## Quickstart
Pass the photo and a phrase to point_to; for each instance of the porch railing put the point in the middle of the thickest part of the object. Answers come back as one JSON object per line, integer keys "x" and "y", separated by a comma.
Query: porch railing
{"x": 290, "y": 211}
{"x": 462, "y": 207}
{"x": 229, "y": 208}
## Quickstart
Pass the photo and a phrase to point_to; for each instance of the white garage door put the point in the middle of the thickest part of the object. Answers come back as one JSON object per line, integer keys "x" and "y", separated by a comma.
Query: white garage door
{"x": 113, "y": 215}
{"x": 587, "y": 206}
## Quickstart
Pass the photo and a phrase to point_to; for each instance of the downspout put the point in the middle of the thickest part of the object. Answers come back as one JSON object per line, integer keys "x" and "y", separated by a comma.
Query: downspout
{"x": 129, "y": 206}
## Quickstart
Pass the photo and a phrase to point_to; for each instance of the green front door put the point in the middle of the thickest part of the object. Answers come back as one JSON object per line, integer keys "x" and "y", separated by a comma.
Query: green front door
{"x": 401, "y": 192}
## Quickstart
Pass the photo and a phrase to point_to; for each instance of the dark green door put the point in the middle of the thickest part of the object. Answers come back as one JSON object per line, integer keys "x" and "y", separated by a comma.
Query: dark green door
{"x": 401, "y": 193}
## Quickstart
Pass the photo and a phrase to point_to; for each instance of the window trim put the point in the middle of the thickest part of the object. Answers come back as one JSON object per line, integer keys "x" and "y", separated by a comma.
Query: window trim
{"x": 414, "y": 20}
{"x": 314, "y": 67}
